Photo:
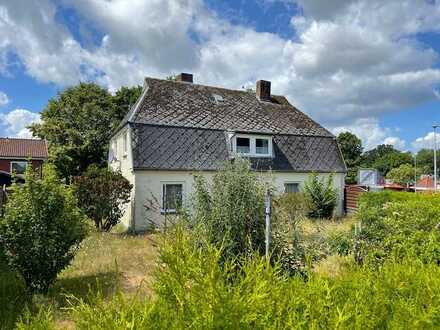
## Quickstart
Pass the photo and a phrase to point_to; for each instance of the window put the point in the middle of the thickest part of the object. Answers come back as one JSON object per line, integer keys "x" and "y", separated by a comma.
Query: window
{"x": 243, "y": 145}
{"x": 252, "y": 145}
{"x": 262, "y": 146}
{"x": 291, "y": 187}
{"x": 124, "y": 143}
{"x": 18, "y": 167}
{"x": 171, "y": 197}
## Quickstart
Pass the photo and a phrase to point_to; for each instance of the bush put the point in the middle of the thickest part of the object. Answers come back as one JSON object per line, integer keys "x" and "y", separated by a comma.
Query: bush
{"x": 232, "y": 211}
{"x": 101, "y": 194}
{"x": 321, "y": 196}
{"x": 340, "y": 243}
{"x": 193, "y": 291}
{"x": 399, "y": 225}
{"x": 288, "y": 211}
{"x": 41, "y": 230}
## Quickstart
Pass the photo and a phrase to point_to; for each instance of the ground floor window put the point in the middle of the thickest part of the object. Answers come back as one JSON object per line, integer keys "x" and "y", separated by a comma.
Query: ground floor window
{"x": 291, "y": 187}
{"x": 18, "y": 167}
{"x": 172, "y": 197}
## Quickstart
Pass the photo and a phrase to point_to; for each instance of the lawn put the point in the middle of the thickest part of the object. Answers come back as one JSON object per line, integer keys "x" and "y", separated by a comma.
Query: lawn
{"x": 109, "y": 261}
{"x": 112, "y": 262}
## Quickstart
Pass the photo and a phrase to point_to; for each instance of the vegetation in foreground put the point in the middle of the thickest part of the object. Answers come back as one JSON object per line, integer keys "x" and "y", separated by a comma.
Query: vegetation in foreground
{"x": 321, "y": 274}
{"x": 105, "y": 262}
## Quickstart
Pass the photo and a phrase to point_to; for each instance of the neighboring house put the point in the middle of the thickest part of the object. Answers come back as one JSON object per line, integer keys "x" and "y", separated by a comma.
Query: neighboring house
{"x": 178, "y": 129}
{"x": 425, "y": 184}
{"x": 15, "y": 154}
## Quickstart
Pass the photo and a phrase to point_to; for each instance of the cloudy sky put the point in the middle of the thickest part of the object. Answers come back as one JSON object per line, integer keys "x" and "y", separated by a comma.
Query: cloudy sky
{"x": 368, "y": 66}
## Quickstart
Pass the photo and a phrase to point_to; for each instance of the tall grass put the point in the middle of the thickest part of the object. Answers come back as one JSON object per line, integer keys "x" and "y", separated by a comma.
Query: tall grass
{"x": 193, "y": 291}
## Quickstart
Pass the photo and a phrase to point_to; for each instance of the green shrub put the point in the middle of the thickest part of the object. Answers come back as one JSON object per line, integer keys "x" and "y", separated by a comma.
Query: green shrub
{"x": 288, "y": 211}
{"x": 340, "y": 243}
{"x": 232, "y": 210}
{"x": 398, "y": 224}
{"x": 102, "y": 194}
{"x": 43, "y": 320}
{"x": 41, "y": 230}
{"x": 193, "y": 291}
{"x": 321, "y": 196}
{"x": 291, "y": 206}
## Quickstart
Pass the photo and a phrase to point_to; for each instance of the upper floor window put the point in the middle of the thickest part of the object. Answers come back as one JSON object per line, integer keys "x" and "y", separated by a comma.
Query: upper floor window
{"x": 243, "y": 145}
{"x": 252, "y": 145}
{"x": 262, "y": 146}
{"x": 124, "y": 143}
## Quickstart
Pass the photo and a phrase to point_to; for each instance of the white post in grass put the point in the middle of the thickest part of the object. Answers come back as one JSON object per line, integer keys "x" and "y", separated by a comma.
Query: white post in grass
{"x": 267, "y": 211}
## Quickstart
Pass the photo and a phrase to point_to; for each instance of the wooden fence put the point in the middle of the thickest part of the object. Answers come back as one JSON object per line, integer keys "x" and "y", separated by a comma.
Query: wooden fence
{"x": 351, "y": 197}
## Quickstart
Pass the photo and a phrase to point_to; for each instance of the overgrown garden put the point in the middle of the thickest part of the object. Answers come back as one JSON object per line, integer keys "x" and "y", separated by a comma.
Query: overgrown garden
{"x": 211, "y": 270}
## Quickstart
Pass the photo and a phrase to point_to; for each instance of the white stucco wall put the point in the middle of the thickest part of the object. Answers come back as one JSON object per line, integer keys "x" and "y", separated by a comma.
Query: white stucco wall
{"x": 148, "y": 190}
{"x": 123, "y": 161}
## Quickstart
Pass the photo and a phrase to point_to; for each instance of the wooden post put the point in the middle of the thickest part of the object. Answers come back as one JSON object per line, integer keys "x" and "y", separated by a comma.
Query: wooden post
{"x": 267, "y": 203}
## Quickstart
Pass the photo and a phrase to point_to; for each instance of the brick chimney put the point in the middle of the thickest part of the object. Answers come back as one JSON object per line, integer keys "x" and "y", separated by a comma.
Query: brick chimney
{"x": 184, "y": 77}
{"x": 263, "y": 90}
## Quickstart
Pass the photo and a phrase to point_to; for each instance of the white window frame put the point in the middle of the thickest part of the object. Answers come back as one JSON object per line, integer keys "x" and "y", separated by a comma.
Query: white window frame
{"x": 125, "y": 143}
{"x": 253, "y": 149}
{"x": 291, "y": 182}
{"x": 18, "y": 162}
{"x": 162, "y": 195}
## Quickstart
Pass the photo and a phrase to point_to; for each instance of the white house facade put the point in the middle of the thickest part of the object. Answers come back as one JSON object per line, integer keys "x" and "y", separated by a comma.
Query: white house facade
{"x": 178, "y": 129}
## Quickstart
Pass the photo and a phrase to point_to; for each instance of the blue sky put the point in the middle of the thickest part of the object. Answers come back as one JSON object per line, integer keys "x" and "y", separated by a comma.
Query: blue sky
{"x": 368, "y": 66}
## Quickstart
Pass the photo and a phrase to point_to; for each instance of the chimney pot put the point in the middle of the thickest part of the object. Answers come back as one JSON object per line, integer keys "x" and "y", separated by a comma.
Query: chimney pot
{"x": 263, "y": 90}
{"x": 184, "y": 77}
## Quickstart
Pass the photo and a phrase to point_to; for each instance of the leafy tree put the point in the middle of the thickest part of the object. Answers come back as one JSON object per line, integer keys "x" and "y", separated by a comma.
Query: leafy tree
{"x": 425, "y": 161}
{"x": 101, "y": 194}
{"x": 78, "y": 124}
{"x": 404, "y": 174}
{"x": 124, "y": 99}
{"x": 42, "y": 229}
{"x": 384, "y": 158}
{"x": 321, "y": 196}
{"x": 351, "y": 148}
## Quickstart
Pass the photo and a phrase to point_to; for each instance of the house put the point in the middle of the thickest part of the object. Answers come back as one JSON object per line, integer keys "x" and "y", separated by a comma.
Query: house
{"x": 425, "y": 184}
{"x": 178, "y": 129}
{"x": 15, "y": 154}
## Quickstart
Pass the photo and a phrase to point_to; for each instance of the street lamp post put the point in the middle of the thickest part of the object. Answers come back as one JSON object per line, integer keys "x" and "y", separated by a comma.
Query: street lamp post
{"x": 435, "y": 157}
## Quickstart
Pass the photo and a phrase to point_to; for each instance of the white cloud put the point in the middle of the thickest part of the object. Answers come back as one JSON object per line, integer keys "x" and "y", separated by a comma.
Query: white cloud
{"x": 395, "y": 141}
{"x": 14, "y": 123}
{"x": 371, "y": 133}
{"x": 3, "y": 99}
{"x": 426, "y": 141}
{"x": 350, "y": 62}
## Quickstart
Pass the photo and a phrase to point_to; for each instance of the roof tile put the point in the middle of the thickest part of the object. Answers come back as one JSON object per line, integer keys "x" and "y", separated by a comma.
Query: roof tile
{"x": 23, "y": 148}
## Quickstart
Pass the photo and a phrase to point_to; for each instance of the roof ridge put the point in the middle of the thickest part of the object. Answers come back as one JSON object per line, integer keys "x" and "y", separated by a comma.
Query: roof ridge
{"x": 207, "y": 86}
{"x": 19, "y": 138}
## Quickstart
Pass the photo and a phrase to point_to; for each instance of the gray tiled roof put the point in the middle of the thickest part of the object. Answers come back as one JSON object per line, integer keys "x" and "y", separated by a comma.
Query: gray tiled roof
{"x": 189, "y": 105}
{"x": 183, "y": 126}
{"x": 180, "y": 148}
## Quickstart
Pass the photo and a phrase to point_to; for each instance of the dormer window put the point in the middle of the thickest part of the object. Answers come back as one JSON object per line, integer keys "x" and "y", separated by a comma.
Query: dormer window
{"x": 243, "y": 145}
{"x": 262, "y": 146}
{"x": 252, "y": 145}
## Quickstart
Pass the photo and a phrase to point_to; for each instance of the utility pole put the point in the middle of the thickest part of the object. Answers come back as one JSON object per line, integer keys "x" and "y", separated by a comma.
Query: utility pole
{"x": 435, "y": 157}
